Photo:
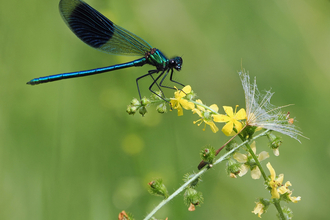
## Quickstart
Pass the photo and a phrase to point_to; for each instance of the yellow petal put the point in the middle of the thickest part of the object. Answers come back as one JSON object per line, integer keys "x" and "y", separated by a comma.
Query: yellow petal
{"x": 214, "y": 107}
{"x": 214, "y": 128}
{"x": 201, "y": 108}
{"x": 282, "y": 189}
{"x": 195, "y": 110}
{"x": 275, "y": 194}
{"x": 187, "y": 105}
{"x": 181, "y": 94}
{"x": 228, "y": 128}
{"x": 253, "y": 147}
{"x": 187, "y": 89}
{"x": 295, "y": 199}
{"x": 174, "y": 103}
{"x": 243, "y": 170}
{"x": 280, "y": 178}
{"x": 255, "y": 173}
{"x": 180, "y": 110}
{"x": 238, "y": 126}
{"x": 263, "y": 155}
{"x": 259, "y": 209}
{"x": 241, "y": 158}
{"x": 271, "y": 170}
{"x": 229, "y": 111}
{"x": 241, "y": 114}
{"x": 276, "y": 152}
{"x": 220, "y": 118}
{"x": 287, "y": 184}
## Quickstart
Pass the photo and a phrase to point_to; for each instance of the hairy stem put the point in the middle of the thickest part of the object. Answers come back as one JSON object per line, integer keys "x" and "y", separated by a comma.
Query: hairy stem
{"x": 183, "y": 187}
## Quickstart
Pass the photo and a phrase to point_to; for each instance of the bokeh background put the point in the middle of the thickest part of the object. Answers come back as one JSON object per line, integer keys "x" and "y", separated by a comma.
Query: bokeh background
{"x": 68, "y": 149}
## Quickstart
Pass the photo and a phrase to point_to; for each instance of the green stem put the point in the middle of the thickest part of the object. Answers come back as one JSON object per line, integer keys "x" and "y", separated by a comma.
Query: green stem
{"x": 183, "y": 187}
{"x": 255, "y": 156}
{"x": 205, "y": 106}
{"x": 279, "y": 209}
{"x": 275, "y": 201}
{"x": 256, "y": 161}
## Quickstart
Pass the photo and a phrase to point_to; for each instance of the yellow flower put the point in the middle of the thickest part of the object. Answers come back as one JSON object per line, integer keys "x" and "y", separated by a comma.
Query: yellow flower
{"x": 274, "y": 182}
{"x": 285, "y": 189}
{"x": 231, "y": 119}
{"x": 206, "y": 116}
{"x": 259, "y": 209}
{"x": 278, "y": 188}
{"x": 178, "y": 102}
{"x": 249, "y": 163}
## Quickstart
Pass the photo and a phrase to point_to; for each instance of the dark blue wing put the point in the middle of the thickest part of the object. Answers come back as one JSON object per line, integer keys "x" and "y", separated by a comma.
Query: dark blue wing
{"x": 99, "y": 32}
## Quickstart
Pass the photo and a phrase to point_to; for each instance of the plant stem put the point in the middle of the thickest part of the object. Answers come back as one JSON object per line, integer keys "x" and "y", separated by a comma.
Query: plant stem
{"x": 179, "y": 190}
{"x": 256, "y": 161}
{"x": 205, "y": 106}
{"x": 276, "y": 201}
{"x": 279, "y": 209}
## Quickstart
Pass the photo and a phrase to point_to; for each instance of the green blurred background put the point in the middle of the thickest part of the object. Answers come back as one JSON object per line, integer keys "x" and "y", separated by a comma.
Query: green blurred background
{"x": 68, "y": 149}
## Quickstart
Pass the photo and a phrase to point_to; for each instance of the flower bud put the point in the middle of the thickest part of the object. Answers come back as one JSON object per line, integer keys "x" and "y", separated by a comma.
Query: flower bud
{"x": 131, "y": 110}
{"x": 142, "y": 110}
{"x": 135, "y": 102}
{"x": 157, "y": 96}
{"x": 233, "y": 167}
{"x": 192, "y": 196}
{"x": 157, "y": 188}
{"x": 145, "y": 101}
{"x": 208, "y": 154}
{"x": 124, "y": 216}
{"x": 161, "y": 108}
{"x": 274, "y": 142}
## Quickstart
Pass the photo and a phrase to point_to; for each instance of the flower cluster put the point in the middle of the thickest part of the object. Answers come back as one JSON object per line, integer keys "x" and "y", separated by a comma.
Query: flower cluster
{"x": 278, "y": 192}
{"x": 183, "y": 99}
{"x": 248, "y": 162}
{"x": 242, "y": 122}
{"x": 258, "y": 112}
{"x": 277, "y": 188}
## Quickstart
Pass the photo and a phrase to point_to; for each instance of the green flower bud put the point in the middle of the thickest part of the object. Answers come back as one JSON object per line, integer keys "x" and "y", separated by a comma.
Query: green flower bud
{"x": 208, "y": 154}
{"x": 274, "y": 141}
{"x": 157, "y": 188}
{"x": 135, "y": 102}
{"x": 131, "y": 110}
{"x": 158, "y": 96}
{"x": 143, "y": 110}
{"x": 145, "y": 101}
{"x": 161, "y": 108}
{"x": 233, "y": 167}
{"x": 192, "y": 196}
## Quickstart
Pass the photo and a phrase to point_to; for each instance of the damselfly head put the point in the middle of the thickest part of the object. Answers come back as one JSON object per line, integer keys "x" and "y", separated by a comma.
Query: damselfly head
{"x": 176, "y": 63}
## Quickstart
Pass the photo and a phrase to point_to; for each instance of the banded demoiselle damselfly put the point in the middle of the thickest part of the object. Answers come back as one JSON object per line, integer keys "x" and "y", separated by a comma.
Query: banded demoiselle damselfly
{"x": 99, "y": 32}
